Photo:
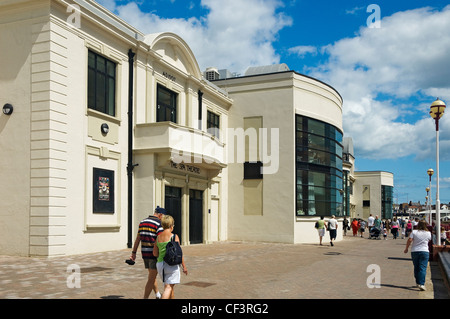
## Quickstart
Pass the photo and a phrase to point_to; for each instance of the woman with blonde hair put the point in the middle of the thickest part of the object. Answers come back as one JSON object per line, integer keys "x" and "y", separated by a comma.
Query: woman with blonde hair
{"x": 418, "y": 240}
{"x": 170, "y": 275}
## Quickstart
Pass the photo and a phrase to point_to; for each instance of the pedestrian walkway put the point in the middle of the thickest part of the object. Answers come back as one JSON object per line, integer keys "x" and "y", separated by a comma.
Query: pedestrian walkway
{"x": 355, "y": 268}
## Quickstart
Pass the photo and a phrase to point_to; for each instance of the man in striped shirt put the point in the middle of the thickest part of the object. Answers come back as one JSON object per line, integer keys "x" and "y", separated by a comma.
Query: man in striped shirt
{"x": 149, "y": 229}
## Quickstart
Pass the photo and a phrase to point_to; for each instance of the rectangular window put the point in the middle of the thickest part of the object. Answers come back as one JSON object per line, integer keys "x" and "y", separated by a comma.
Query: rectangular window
{"x": 166, "y": 102}
{"x": 101, "y": 84}
{"x": 213, "y": 124}
{"x": 252, "y": 170}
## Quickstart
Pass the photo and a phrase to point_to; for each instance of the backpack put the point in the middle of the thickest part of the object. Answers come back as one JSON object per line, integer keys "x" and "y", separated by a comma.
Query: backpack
{"x": 174, "y": 254}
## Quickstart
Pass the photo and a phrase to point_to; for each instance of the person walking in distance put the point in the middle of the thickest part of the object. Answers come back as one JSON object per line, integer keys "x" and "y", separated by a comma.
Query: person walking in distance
{"x": 362, "y": 227}
{"x": 409, "y": 227}
{"x": 395, "y": 225}
{"x": 149, "y": 229}
{"x": 320, "y": 226}
{"x": 355, "y": 227}
{"x": 418, "y": 240}
{"x": 370, "y": 222}
{"x": 332, "y": 227}
{"x": 345, "y": 225}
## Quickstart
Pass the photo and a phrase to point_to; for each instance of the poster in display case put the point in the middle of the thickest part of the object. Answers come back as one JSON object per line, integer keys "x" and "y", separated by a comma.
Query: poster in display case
{"x": 103, "y": 191}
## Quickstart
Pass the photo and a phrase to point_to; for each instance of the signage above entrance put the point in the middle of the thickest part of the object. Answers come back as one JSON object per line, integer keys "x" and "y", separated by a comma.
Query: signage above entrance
{"x": 169, "y": 76}
{"x": 185, "y": 167}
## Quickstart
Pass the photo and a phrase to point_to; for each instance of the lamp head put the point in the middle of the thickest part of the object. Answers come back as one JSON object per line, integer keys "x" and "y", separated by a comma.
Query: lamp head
{"x": 437, "y": 109}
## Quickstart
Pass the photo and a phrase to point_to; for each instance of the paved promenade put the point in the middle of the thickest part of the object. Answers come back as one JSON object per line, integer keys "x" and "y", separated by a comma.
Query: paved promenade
{"x": 233, "y": 270}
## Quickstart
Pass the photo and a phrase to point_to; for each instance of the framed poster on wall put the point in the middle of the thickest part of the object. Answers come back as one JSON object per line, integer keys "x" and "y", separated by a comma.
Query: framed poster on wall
{"x": 103, "y": 191}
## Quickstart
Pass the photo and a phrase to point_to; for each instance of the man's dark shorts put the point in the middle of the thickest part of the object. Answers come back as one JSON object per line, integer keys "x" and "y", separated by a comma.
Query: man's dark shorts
{"x": 150, "y": 263}
{"x": 332, "y": 233}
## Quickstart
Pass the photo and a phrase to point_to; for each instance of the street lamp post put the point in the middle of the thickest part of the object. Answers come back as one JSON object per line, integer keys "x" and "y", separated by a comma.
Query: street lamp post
{"x": 430, "y": 173}
{"x": 437, "y": 109}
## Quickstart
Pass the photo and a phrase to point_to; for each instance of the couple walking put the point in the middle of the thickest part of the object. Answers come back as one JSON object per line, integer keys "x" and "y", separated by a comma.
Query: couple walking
{"x": 153, "y": 235}
{"x": 331, "y": 226}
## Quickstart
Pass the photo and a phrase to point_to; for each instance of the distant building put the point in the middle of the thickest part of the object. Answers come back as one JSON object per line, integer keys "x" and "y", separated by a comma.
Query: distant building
{"x": 366, "y": 193}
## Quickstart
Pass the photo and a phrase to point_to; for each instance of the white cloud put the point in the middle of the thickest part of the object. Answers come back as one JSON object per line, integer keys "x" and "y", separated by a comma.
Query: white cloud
{"x": 303, "y": 50}
{"x": 355, "y": 10}
{"x": 379, "y": 70}
{"x": 234, "y": 34}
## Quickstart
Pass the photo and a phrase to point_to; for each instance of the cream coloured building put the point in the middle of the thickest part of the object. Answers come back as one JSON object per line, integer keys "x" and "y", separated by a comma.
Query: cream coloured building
{"x": 108, "y": 123}
{"x": 373, "y": 191}
{"x": 296, "y": 122}
{"x": 73, "y": 73}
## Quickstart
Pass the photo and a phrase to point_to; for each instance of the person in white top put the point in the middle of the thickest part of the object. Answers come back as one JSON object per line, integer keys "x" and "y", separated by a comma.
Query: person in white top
{"x": 332, "y": 227}
{"x": 370, "y": 221}
{"x": 418, "y": 240}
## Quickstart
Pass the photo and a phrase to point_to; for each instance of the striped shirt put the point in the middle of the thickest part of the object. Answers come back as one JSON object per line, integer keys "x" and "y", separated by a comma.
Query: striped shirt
{"x": 149, "y": 229}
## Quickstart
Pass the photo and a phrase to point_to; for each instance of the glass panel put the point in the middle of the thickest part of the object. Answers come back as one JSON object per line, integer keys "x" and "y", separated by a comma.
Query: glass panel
{"x": 301, "y": 210}
{"x": 91, "y": 60}
{"x": 316, "y": 179}
{"x": 312, "y": 207}
{"x": 111, "y": 68}
{"x": 338, "y": 136}
{"x": 91, "y": 89}
{"x": 111, "y": 97}
{"x": 101, "y": 64}
{"x": 100, "y": 93}
{"x": 167, "y": 114}
{"x": 316, "y": 127}
{"x": 164, "y": 97}
{"x": 299, "y": 123}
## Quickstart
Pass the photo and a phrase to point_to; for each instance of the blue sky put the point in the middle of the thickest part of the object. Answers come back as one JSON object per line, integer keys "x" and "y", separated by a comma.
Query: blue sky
{"x": 388, "y": 75}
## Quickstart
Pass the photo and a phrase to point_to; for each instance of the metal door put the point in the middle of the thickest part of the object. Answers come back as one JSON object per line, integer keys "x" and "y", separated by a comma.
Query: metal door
{"x": 195, "y": 216}
{"x": 173, "y": 207}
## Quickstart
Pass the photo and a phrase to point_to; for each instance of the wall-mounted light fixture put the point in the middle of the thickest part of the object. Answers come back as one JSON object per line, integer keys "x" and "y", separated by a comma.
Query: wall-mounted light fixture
{"x": 7, "y": 109}
{"x": 104, "y": 128}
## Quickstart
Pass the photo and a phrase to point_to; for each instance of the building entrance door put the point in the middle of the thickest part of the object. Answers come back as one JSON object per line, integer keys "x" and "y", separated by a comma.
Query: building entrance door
{"x": 195, "y": 216}
{"x": 172, "y": 202}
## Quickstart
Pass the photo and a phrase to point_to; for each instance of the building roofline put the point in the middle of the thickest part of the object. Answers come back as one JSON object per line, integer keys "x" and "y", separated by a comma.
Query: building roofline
{"x": 374, "y": 172}
{"x": 110, "y": 17}
{"x": 289, "y": 71}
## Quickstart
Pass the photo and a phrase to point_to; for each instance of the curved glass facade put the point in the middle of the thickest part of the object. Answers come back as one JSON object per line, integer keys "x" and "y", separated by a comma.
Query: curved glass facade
{"x": 318, "y": 168}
